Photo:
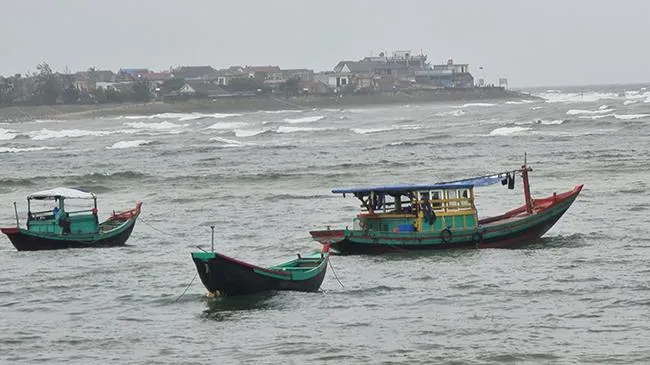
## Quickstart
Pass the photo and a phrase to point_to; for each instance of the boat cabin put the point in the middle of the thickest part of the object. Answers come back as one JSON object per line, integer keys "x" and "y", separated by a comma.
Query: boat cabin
{"x": 415, "y": 208}
{"x": 59, "y": 219}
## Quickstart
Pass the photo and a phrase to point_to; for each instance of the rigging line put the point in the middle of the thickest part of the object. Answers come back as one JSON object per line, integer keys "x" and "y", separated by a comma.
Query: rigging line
{"x": 156, "y": 229}
{"x": 334, "y": 272}
{"x": 498, "y": 174}
{"x": 187, "y": 287}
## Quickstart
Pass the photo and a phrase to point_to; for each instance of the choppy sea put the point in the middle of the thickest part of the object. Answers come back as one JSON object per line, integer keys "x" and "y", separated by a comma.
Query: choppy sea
{"x": 579, "y": 295}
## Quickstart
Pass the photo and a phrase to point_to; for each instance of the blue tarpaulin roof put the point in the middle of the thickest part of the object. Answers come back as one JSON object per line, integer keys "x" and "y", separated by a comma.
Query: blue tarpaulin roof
{"x": 459, "y": 184}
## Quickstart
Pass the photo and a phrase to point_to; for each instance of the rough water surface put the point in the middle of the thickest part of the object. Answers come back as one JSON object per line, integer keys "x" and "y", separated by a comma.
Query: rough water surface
{"x": 579, "y": 295}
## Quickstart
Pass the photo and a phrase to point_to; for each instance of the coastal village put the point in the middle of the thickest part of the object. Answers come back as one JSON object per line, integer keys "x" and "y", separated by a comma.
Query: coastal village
{"x": 399, "y": 71}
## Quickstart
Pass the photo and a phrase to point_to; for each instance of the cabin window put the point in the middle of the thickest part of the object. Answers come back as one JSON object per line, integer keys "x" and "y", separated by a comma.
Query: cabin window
{"x": 424, "y": 196}
{"x": 436, "y": 195}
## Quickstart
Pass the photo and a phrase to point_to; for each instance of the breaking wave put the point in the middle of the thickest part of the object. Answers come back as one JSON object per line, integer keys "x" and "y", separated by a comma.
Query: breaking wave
{"x": 161, "y": 126}
{"x": 581, "y": 111}
{"x": 6, "y": 134}
{"x": 65, "y": 133}
{"x": 506, "y": 131}
{"x": 287, "y": 129}
{"x": 554, "y": 96}
{"x": 227, "y": 125}
{"x": 452, "y": 113}
{"x": 630, "y": 116}
{"x": 242, "y": 133}
{"x": 129, "y": 144}
{"x": 475, "y": 104}
{"x": 182, "y": 116}
{"x": 305, "y": 119}
{"x": 225, "y": 142}
{"x": 26, "y": 149}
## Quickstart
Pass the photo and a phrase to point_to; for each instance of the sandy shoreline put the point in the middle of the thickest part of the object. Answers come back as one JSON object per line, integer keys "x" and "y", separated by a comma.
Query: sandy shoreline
{"x": 251, "y": 104}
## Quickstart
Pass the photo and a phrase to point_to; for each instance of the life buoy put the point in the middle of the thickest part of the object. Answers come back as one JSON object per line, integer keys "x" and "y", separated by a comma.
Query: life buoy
{"x": 446, "y": 235}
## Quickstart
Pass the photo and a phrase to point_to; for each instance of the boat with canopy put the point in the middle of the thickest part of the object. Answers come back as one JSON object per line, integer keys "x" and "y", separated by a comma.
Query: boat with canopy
{"x": 62, "y": 227}
{"x": 397, "y": 218}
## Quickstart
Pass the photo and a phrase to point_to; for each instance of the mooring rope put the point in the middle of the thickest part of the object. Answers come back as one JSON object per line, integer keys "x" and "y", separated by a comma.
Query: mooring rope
{"x": 334, "y": 272}
{"x": 187, "y": 287}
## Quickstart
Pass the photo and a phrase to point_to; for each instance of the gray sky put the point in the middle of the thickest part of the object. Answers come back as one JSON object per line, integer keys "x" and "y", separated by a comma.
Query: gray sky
{"x": 532, "y": 43}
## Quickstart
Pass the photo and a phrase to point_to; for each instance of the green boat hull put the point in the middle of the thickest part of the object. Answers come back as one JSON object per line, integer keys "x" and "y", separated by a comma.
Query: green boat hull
{"x": 512, "y": 229}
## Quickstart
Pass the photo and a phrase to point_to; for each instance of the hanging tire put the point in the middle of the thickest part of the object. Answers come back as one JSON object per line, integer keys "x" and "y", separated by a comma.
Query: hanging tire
{"x": 477, "y": 237}
{"x": 446, "y": 235}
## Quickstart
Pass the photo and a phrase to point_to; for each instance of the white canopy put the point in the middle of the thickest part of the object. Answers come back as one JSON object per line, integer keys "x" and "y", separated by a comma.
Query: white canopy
{"x": 65, "y": 193}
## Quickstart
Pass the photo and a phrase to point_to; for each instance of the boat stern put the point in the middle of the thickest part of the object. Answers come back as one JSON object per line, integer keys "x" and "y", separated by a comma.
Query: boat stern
{"x": 328, "y": 236}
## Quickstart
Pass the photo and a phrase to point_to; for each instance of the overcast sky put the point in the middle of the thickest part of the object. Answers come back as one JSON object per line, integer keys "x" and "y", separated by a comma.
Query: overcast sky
{"x": 532, "y": 43}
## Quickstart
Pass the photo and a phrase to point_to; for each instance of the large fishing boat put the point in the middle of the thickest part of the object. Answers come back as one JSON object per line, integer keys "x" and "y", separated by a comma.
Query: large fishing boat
{"x": 61, "y": 227}
{"x": 397, "y": 218}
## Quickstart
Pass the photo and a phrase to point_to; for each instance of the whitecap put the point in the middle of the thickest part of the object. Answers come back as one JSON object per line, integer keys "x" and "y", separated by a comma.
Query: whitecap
{"x": 129, "y": 144}
{"x": 155, "y": 126}
{"x": 6, "y": 134}
{"x": 65, "y": 133}
{"x": 505, "y": 131}
{"x": 556, "y": 97}
{"x": 305, "y": 119}
{"x": 227, "y": 125}
{"x": 370, "y": 130}
{"x": 475, "y": 104}
{"x": 581, "y": 111}
{"x": 227, "y": 142}
{"x": 288, "y": 129}
{"x": 452, "y": 113}
{"x": 26, "y": 149}
{"x": 250, "y": 132}
{"x": 630, "y": 116}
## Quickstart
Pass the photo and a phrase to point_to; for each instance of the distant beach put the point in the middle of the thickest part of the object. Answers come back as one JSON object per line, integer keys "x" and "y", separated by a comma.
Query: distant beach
{"x": 256, "y": 103}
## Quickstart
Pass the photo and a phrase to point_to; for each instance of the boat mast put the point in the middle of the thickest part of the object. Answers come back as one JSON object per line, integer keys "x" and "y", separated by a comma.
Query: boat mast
{"x": 524, "y": 175}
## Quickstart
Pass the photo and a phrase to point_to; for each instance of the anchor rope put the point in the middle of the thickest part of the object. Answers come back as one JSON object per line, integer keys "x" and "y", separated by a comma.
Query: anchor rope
{"x": 187, "y": 287}
{"x": 334, "y": 272}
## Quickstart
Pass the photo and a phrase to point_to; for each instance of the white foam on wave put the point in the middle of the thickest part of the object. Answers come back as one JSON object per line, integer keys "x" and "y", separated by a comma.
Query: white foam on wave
{"x": 227, "y": 142}
{"x": 542, "y": 121}
{"x": 158, "y": 126}
{"x": 287, "y": 111}
{"x": 628, "y": 102}
{"x": 6, "y": 134}
{"x": 26, "y": 149}
{"x": 129, "y": 144}
{"x": 250, "y": 132}
{"x": 475, "y": 104}
{"x": 182, "y": 116}
{"x": 630, "y": 116}
{"x": 535, "y": 108}
{"x": 559, "y": 97}
{"x": 594, "y": 117}
{"x": 227, "y": 125}
{"x": 370, "y": 130}
{"x": 49, "y": 121}
{"x": 288, "y": 129}
{"x": 65, "y": 133}
{"x": 511, "y": 102}
{"x": 582, "y": 111}
{"x": 305, "y": 119}
{"x": 452, "y": 113}
{"x": 506, "y": 131}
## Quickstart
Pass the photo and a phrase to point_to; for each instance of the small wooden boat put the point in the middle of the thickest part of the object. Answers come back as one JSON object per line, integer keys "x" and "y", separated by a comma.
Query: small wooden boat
{"x": 399, "y": 218}
{"x": 223, "y": 275}
{"x": 62, "y": 228}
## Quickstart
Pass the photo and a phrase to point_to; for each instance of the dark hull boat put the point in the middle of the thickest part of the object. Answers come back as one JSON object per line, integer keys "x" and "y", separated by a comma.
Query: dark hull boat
{"x": 78, "y": 229}
{"x": 223, "y": 275}
{"x": 443, "y": 216}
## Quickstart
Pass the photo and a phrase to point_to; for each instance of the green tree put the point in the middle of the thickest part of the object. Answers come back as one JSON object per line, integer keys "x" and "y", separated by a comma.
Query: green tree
{"x": 48, "y": 87}
{"x": 71, "y": 95}
{"x": 141, "y": 91}
{"x": 7, "y": 90}
{"x": 291, "y": 87}
{"x": 113, "y": 96}
{"x": 246, "y": 84}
